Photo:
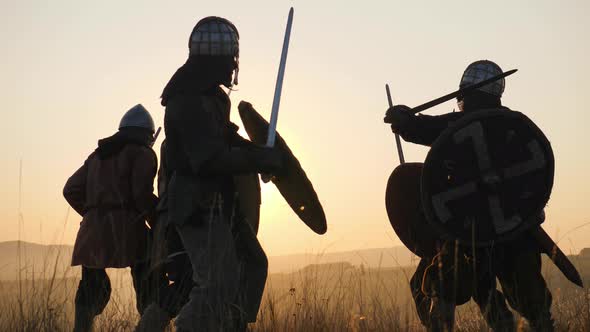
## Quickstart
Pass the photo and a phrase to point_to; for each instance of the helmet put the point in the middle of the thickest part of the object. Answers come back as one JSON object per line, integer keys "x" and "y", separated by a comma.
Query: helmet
{"x": 137, "y": 116}
{"x": 214, "y": 36}
{"x": 482, "y": 70}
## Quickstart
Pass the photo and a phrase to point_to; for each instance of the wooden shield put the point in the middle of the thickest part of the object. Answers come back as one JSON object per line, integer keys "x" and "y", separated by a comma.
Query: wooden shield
{"x": 487, "y": 177}
{"x": 292, "y": 183}
{"x": 404, "y": 209}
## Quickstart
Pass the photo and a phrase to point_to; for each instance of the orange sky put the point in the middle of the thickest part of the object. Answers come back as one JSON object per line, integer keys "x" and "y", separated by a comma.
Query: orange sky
{"x": 71, "y": 69}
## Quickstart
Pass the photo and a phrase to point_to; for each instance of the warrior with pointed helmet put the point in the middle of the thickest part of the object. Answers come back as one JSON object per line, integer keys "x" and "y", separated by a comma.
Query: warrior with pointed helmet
{"x": 483, "y": 185}
{"x": 113, "y": 192}
{"x": 204, "y": 157}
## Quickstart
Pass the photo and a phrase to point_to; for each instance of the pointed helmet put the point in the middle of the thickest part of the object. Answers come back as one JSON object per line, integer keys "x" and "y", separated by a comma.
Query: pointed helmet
{"x": 137, "y": 116}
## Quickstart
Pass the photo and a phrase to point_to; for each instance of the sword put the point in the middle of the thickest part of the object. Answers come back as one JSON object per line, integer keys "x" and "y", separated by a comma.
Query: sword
{"x": 557, "y": 256}
{"x": 272, "y": 128}
{"x": 398, "y": 142}
{"x": 457, "y": 93}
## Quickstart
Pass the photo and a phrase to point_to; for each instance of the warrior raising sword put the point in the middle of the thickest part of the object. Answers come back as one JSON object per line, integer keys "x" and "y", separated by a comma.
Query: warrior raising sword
{"x": 479, "y": 199}
{"x": 212, "y": 199}
{"x": 204, "y": 153}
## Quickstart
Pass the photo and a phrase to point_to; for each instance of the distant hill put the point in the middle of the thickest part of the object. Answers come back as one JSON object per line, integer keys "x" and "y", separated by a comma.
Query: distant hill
{"x": 33, "y": 259}
{"x": 41, "y": 260}
{"x": 372, "y": 258}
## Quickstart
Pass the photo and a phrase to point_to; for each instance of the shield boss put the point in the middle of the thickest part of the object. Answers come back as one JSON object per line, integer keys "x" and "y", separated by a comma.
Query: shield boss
{"x": 487, "y": 177}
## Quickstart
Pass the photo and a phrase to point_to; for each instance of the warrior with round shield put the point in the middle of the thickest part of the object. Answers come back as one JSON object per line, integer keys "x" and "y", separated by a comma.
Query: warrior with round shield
{"x": 204, "y": 154}
{"x": 482, "y": 188}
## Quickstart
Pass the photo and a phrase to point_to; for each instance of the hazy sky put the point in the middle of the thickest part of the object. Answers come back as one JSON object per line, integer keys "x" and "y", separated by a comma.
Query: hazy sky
{"x": 70, "y": 69}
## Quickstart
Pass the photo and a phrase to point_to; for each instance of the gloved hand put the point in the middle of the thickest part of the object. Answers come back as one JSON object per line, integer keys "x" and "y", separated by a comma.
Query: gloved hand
{"x": 270, "y": 160}
{"x": 399, "y": 116}
{"x": 266, "y": 177}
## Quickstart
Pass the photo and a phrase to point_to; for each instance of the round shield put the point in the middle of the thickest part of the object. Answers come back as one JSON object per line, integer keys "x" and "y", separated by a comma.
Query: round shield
{"x": 487, "y": 177}
{"x": 293, "y": 183}
{"x": 404, "y": 209}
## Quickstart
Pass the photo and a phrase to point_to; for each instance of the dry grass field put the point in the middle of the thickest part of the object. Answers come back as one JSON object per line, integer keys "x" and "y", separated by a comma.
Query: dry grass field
{"x": 320, "y": 297}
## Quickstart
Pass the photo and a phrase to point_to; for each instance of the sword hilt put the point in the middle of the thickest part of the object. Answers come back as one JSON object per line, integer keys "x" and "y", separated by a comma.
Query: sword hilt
{"x": 156, "y": 136}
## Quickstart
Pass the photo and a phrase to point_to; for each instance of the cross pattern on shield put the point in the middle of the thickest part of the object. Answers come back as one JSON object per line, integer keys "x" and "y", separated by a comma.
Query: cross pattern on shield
{"x": 487, "y": 177}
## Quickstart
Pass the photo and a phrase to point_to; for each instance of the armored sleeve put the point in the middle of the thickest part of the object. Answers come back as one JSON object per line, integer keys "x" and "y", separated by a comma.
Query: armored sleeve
{"x": 142, "y": 181}
{"x": 75, "y": 189}
{"x": 425, "y": 129}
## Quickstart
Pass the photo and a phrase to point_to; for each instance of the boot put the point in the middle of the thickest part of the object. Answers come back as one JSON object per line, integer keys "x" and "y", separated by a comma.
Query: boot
{"x": 442, "y": 316}
{"x": 544, "y": 324}
{"x": 154, "y": 319}
{"x": 83, "y": 319}
{"x": 496, "y": 313}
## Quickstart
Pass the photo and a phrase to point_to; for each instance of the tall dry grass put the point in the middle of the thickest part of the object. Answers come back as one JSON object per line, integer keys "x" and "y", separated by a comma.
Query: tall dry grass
{"x": 328, "y": 297}
{"x": 42, "y": 299}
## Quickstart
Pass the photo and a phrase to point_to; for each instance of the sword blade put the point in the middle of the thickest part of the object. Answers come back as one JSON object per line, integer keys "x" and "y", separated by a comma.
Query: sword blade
{"x": 398, "y": 142}
{"x": 557, "y": 256}
{"x": 272, "y": 128}
{"x": 459, "y": 92}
